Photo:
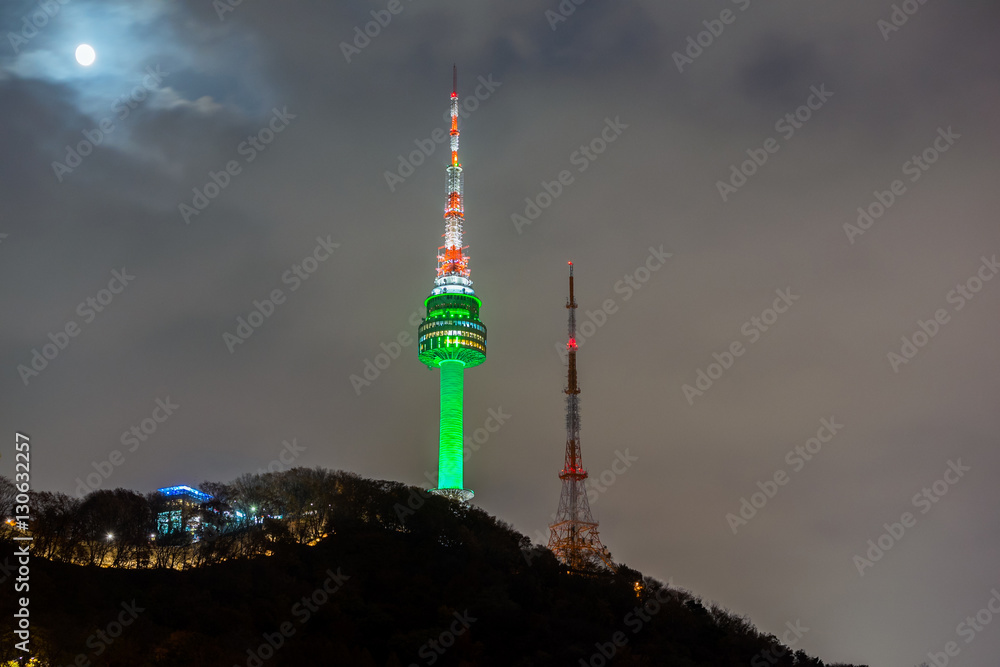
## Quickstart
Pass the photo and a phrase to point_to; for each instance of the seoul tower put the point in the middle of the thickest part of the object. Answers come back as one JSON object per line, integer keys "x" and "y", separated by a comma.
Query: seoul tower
{"x": 573, "y": 536}
{"x": 451, "y": 337}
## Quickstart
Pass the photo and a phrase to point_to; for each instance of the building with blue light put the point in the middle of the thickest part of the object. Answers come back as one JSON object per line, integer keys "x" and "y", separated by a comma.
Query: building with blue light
{"x": 181, "y": 512}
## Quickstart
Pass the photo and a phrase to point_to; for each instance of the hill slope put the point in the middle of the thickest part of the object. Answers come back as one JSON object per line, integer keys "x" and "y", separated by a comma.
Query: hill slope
{"x": 441, "y": 585}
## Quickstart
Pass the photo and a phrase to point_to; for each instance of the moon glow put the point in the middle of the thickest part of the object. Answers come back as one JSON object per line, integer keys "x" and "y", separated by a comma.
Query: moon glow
{"x": 85, "y": 55}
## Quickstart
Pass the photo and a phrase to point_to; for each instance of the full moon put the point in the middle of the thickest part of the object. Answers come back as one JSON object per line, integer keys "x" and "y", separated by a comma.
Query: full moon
{"x": 85, "y": 55}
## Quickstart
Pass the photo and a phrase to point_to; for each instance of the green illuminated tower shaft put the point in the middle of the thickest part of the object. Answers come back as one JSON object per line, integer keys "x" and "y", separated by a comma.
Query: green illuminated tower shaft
{"x": 451, "y": 337}
{"x": 450, "y": 447}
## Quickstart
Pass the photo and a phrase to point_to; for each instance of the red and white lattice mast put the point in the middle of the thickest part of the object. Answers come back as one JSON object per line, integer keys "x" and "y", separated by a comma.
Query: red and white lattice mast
{"x": 573, "y": 537}
{"x": 453, "y": 265}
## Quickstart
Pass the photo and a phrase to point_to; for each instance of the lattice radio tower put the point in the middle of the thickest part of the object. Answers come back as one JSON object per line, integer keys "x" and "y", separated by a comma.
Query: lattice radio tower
{"x": 573, "y": 537}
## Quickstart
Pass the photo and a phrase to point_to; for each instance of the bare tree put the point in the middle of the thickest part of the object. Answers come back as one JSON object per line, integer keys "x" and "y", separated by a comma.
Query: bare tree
{"x": 7, "y": 494}
{"x": 54, "y": 527}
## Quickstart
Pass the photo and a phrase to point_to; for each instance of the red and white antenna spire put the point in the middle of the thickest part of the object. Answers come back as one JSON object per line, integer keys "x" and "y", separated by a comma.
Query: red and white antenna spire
{"x": 454, "y": 114}
{"x": 574, "y": 459}
{"x": 453, "y": 264}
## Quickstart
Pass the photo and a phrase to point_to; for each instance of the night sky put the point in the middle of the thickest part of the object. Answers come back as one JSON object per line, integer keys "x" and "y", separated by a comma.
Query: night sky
{"x": 213, "y": 147}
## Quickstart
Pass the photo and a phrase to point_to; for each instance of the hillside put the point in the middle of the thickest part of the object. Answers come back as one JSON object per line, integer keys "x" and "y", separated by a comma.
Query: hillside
{"x": 386, "y": 587}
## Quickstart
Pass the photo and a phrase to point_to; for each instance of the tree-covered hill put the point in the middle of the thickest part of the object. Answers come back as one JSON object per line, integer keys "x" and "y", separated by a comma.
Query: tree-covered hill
{"x": 391, "y": 577}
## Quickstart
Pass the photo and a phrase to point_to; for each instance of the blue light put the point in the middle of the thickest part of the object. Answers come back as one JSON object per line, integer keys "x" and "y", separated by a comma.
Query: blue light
{"x": 183, "y": 490}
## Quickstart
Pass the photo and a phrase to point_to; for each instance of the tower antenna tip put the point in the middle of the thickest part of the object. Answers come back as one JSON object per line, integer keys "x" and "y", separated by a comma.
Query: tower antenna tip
{"x": 454, "y": 78}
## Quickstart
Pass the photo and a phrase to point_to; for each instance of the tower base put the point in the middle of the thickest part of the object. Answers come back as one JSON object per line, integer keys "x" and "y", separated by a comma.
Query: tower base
{"x": 458, "y": 495}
